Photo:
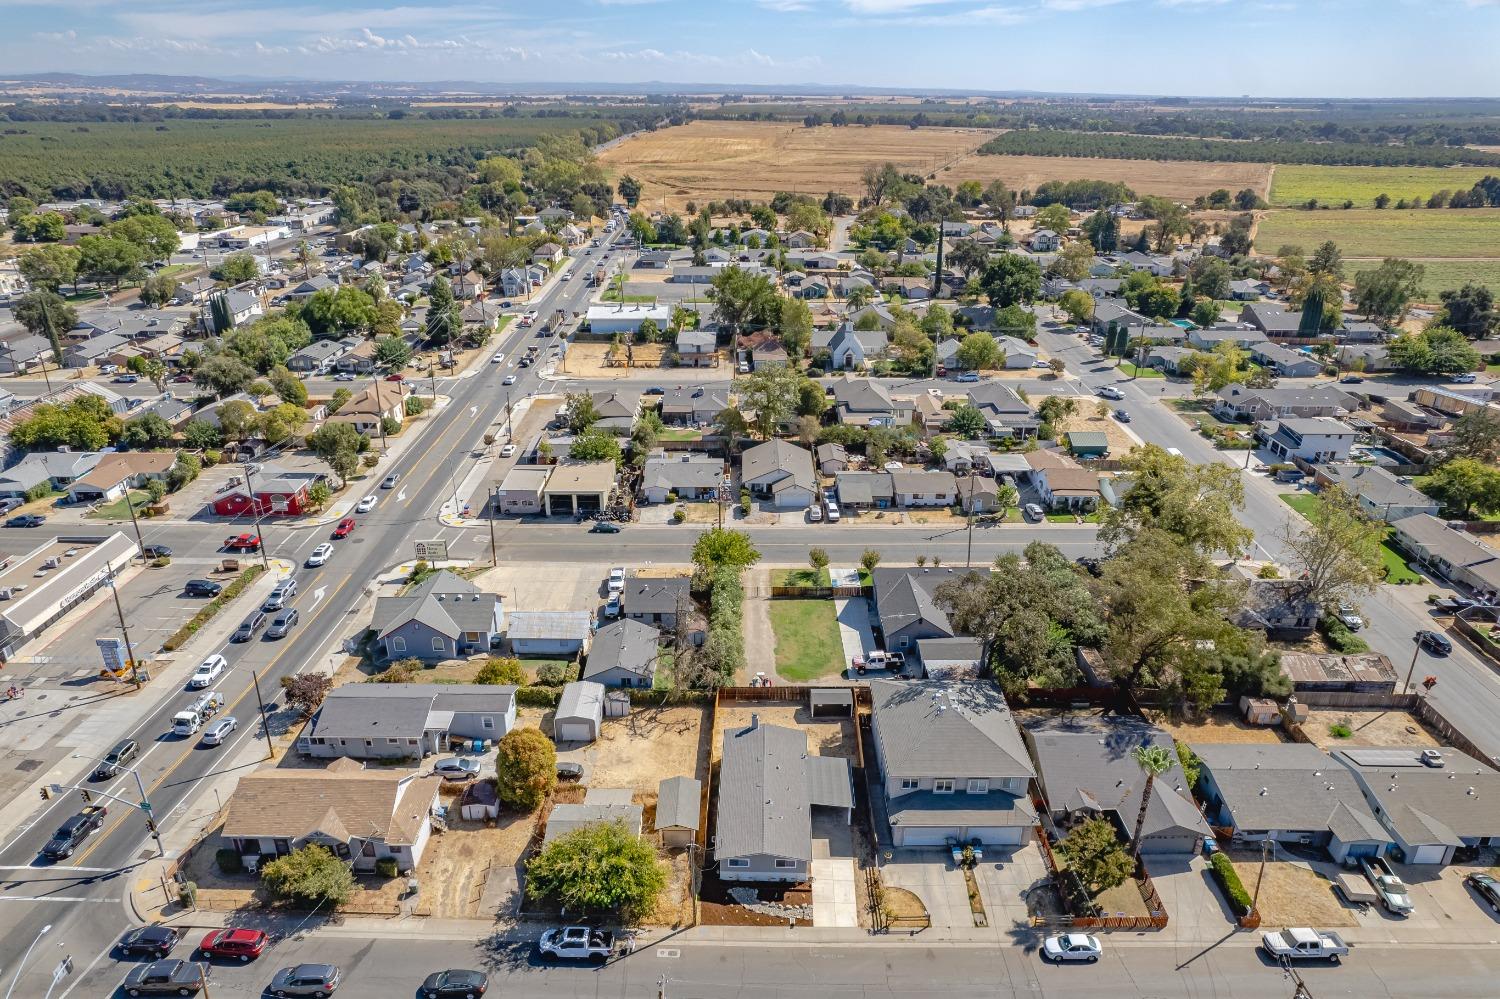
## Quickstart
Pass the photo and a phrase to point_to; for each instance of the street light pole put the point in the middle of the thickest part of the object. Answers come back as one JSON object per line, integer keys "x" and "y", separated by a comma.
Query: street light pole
{"x": 26, "y": 957}
{"x": 265, "y": 724}
{"x": 494, "y": 501}
{"x": 140, "y": 786}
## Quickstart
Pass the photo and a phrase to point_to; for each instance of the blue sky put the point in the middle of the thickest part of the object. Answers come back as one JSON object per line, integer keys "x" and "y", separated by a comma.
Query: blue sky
{"x": 1376, "y": 48}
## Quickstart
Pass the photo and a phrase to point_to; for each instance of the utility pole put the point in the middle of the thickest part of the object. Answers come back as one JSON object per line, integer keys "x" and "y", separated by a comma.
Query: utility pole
{"x": 130, "y": 505}
{"x": 969, "y": 553}
{"x": 135, "y": 676}
{"x": 937, "y": 274}
{"x": 1415, "y": 653}
{"x": 375, "y": 382}
{"x": 1265, "y": 846}
{"x": 494, "y": 501}
{"x": 255, "y": 512}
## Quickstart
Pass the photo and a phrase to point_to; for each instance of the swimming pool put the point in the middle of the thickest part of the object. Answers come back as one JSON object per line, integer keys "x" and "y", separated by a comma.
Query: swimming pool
{"x": 1379, "y": 455}
{"x": 1186, "y": 324}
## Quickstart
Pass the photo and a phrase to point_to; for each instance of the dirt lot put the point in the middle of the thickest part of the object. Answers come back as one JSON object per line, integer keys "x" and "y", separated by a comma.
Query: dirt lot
{"x": 1290, "y": 894}
{"x": 650, "y": 745}
{"x": 587, "y": 360}
{"x": 1178, "y": 179}
{"x": 1215, "y": 728}
{"x": 1369, "y": 727}
{"x": 826, "y": 736}
{"x": 707, "y": 160}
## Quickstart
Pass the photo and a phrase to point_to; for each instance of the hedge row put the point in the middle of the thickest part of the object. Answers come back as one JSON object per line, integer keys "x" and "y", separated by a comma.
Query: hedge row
{"x": 547, "y": 697}
{"x": 218, "y": 603}
{"x": 1229, "y": 882}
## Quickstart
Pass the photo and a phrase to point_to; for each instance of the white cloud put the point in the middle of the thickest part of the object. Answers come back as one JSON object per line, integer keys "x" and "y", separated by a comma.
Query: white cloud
{"x": 785, "y": 6}
{"x": 1067, "y": 6}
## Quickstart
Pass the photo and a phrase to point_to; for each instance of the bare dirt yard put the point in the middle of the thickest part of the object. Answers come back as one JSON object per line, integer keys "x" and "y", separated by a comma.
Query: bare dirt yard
{"x": 650, "y": 745}
{"x": 1217, "y": 727}
{"x": 1291, "y": 894}
{"x": 590, "y": 360}
{"x": 1184, "y": 179}
{"x": 710, "y": 160}
{"x": 826, "y": 736}
{"x": 1368, "y": 727}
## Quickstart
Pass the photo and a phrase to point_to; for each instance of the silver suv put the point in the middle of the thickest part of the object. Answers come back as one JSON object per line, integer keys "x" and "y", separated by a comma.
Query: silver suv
{"x": 306, "y": 980}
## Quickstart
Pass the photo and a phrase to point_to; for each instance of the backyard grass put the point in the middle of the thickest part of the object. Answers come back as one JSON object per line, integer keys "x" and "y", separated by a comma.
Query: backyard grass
{"x": 865, "y": 579}
{"x": 1068, "y": 518}
{"x": 801, "y": 577}
{"x": 680, "y": 435}
{"x": 1295, "y": 184}
{"x": 807, "y": 639}
{"x": 118, "y": 509}
{"x": 1396, "y": 569}
{"x": 1132, "y": 370}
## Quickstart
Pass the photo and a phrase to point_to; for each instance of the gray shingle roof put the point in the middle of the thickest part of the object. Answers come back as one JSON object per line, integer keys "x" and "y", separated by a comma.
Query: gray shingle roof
{"x": 905, "y": 596}
{"x": 446, "y": 603}
{"x": 1375, "y": 485}
{"x": 779, "y": 455}
{"x": 548, "y": 624}
{"x": 391, "y": 711}
{"x": 624, "y": 644}
{"x": 926, "y": 808}
{"x": 679, "y": 470}
{"x": 655, "y": 596}
{"x": 1429, "y": 804}
{"x": 678, "y": 801}
{"x": 934, "y": 728}
{"x": 765, "y": 793}
{"x": 1291, "y": 786}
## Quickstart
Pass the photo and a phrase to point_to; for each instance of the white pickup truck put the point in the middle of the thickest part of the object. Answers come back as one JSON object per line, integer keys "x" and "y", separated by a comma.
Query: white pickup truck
{"x": 578, "y": 943}
{"x": 1390, "y": 888}
{"x": 1300, "y": 943}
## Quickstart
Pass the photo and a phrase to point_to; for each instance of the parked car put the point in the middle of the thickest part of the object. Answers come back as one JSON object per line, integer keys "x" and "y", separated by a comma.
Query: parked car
{"x": 73, "y": 832}
{"x": 345, "y": 528}
{"x": 166, "y": 978}
{"x": 1483, "y": 885}
{"x": 456, "y": 984}
{"x": 1350, "y": 618}
{"x": 156, "y": 551}
{"x": 604, "y": 527}
{"x": 208, "y": 671}
{"x": 242, "y": 945}
{"x": 1467, "y": 378}
{"x": 656, "y": 390}
{"x": 395, "y": 376}
{"x": 126, "y": 379}
{"x": 26, "y": 520}
{"x": 567, "y": 771}
{"x": 815, "y": 514}
{"x": 617, "y": 580}
{"x": 389, "y": 482}
{"x": 967, "y": 376}
{"x": 149, "y": 941}
{"x": 1452, "y": 605}
{"x": 343, "y": 376}
{"x": 367, "y": 504}
{"x": 1390, "y": 888}
{"x": 319, "y": 555}
{"x": 457, "y": 768}
{"x": 612, "y": 606}
{"x": 1299, "y": 943}
{"x": 124, "y": 751}
{"x": 283, "y": 623}
{"x": 1034, "y": 511}
{"x": 507, "y": 450}
{"x": 215, "y": 734}
{"x": 831, "y": 508}
{"x": 249, "y": 626}
{"x": 1351, "y": 379}
{"x": 577, "y": 943}
{"x": 306, "y": 980}
{"x": 1434, "y": 643}
{"x": 202, "y": 588}
{"x": 1072, "y": 947}
{"x": 1110, "y": 392}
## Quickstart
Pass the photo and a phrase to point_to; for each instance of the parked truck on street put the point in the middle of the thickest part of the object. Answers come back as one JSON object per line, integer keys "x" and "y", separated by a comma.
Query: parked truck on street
{"x": 1300, "y": 943}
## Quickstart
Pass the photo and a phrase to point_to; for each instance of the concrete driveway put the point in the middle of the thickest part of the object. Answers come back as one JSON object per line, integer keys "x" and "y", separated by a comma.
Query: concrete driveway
{"x": 931, "y": 876}
{"x": 854, "y": 627}
{"x": 833, "y": 872}
{"x": 1005, "y": 875}
{"x": 1196, "y": 911}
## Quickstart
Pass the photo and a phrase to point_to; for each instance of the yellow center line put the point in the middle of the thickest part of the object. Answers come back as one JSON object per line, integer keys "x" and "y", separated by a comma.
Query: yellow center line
{"x": 188, "y": 748}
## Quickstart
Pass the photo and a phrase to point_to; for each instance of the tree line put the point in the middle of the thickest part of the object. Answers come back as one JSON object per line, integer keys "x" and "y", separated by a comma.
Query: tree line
{"x": 1141, "y": 147}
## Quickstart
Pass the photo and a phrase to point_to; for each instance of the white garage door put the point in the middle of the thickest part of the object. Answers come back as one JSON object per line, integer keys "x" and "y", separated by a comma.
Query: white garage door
{"x": 926, "y": 837}
{"x": 1433, "y": 853}
{"x": 996, "y": 835}
{"x": 575, "y": 732}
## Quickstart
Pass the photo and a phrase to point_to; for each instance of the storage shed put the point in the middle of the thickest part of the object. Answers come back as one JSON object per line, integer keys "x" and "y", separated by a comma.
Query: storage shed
{"x": 837, "y": 701}
{"x": 479, "y": 801}
{"x": 678, "y": 801}
{"x": 580, "y": 712}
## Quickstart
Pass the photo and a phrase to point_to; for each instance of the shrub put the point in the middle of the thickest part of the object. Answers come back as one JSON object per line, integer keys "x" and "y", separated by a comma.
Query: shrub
{"x": 1340, "y": 638}
{"x": 678, "y": 516}
{"x": 556, "y": 674}
{"x": 212, "y": 458}
{"x": 386, "y": 867}
{"x": 501, "y": 671}
{"x": 599, "y": 868}
{"x": 187, "y": 895}
{"x": 1229, "y": 882}
{"x": 309, "y": 878}
{"x": 415, "y": 406}
{"x": 229, "y": 861}
{"x": 525, "y": 768}
{"x": 370, "y": 460}
{"x": 1268, "y": 571}
{"x": 538, "y": 697}
{"x": 1340, "y": 730}
{"x": 306, "y": 691}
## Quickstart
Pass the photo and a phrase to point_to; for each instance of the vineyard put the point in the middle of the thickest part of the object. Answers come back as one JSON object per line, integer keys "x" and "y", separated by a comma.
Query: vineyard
{"x": 291, "y": 156}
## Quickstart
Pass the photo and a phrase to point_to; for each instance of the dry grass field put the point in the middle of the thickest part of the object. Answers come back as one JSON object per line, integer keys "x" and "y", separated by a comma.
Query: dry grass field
{"x": 707, "y": 160}
{"x": 1183, "y": 180}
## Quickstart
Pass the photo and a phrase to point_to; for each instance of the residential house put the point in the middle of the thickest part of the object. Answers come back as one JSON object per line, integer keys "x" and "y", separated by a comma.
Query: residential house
{"x": 319, "y": 355}
{"x": 115, "y": 474}
{"x": 1088, "y": 444}
{"x": 368, "y": 408}
{"x": 801, "y": 240}
{"x": 21, "y": 353}
{"x": 1408, "y": 417}
{"x": 1433, "y": 802}
{"x": 780, "y": 472}
{"x": 1381, "y": 495}
{"x": 623, "y": 654}
{"x": 875, "y": 314}
{"x": 1017, "y": 353}
{"x": 627, "y": 318}
{"x": 656, "y": 600}
{"x": 1101, "y": 287}
{"x": 1116, "y": 315}
{"x": 95, "y": 350}
{"x": 1044, "y": 241}
{"x": 1281, "y": 608}
{"x": 1289, "y": 792}
{"x": 1245, "y": 337}
{"x": 1271, "y": 319}
{"x": 1452, "y": 554}
{"x": 58, "y": 469}
{"x": 768, "y": 788}
{"x": 928, "y": 414}
{"x": 362, "y": 816}
{"x": 549, "y": 633}
{"x": 575, "y": 487}
{"x": 1363, "y": 357}
{"x": 832, "y": 458}
{"x": 553, "y": 213}
{"x": 479, "y": 314}
{"x": 906, "y": 605}
{"x": 468, "y": 286}
{"x": 1314, "y": 439}
{"x": 399, "y": 721}
{"x": 864, "y": 490}
{"x": 953, "y": 766}
{"x": 443, "y": 617}
{"x": 242, "y": 306}
{"x": 849, "y": 348}
{"x": 1169, "y": 359}
{"x": 1006, "y": 412}
{"x": 1086, "y": 770}
{"x": 813, "y": 288}
{"x": 918, "y": 488}
{"x": 693, "y": 406}
{"x": 1286, "y": 363}
{"x": 964, "y": 457}
{"x": 548, "y": 254}
{"x": 861, "y": 402}
{"x": 618, "y": 410}
{"x": 520, "y": 492}
{"x": 684, "y": 475}
{"x": 654, "y": 259}
{"x": 1072, "y": 488}
{"x": 1248, "y": 290}
{"x": 1241, "y": 404}
{"x": 697, "y": 349}
{"x": 912, "y": 289}
{"x": 1357, "y": 673}
{"x": 358, "y": 360}
{"x": 515, "y": 282}
{"x": 313, "y": 285}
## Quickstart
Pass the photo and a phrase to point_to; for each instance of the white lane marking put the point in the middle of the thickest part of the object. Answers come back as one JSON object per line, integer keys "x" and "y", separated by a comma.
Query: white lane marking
{"x": 401, "y": 496}
{"x": 58, "y": 867}
{"x": 318, "y": 595}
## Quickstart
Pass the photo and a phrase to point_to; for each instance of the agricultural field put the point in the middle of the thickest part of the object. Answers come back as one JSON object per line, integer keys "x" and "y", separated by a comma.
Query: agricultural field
{"x": 704, "y": 161}
{"x": 1181, "y": 179}
{"x": 1444, "y": 232}
{"x": 1443, "y": 275}
{"x": 1294, "y": 185}
{"x": 201, "y": 157}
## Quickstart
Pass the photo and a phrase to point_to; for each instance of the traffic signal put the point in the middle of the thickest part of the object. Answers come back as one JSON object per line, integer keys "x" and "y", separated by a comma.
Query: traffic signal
{"x": 46, "y": 794}
{"x": 151, "y": 824}
{"x": 84, "y": 794}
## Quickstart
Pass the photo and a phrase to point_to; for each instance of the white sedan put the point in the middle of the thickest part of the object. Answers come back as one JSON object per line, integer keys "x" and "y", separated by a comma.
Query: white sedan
{"x": 509, "y": 380}
{"x": 498, "y": 358}
{"x": 1072, "y": 947}
{"x": 507, "y": 450}
{"x": 367, "y": 504}
{"x": 320, "y": 555}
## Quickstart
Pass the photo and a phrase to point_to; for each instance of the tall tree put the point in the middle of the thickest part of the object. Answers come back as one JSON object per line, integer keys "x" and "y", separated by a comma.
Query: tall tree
{"x": 49, "y": 267}
{"x": 771, "y": 391}
{"x": 443, "y": 322}
{"x": 1194, "y": 503}
{"x": 1470, "y": 310}
{"x": 1337, "y": 552}
{"x": 1386, "y": 292}
{"x": 1153, "y": 761}
{"x": 1011, "y": 279}
{"x": 1464, "y": 485}
{"x": 44, "y": 313}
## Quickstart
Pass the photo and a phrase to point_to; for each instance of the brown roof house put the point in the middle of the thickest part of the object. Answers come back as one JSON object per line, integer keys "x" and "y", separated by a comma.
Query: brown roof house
{"x": 366, "y": 407}
{"x": 116, "y": 473}
{"x": 361, "y": 815}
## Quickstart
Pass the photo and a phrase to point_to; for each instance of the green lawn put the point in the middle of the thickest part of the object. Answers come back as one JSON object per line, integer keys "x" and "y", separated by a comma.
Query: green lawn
{"x": 1131, "y": 369}
{"x": 1303, "y": 503}
{"x": 614, "y": 296}
{"x": 801, "y": 577}
{"x": 807, "y": 639}
{"x": 1294, "y": 185}
{"x": 1067, "y": 518}
{"x": 1396, "y": 569}
{"x": 173, "y": 270}
{"x": 865, "y": 579}
{"x": 1447, "y": 232}
{"x": 671, "y": 434}
{"x": 118, "y": 510}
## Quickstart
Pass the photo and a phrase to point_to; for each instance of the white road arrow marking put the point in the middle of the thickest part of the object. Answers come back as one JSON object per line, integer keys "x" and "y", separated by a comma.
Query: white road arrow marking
{"x": 473, "y": 411}
{"x": 318, "y": 595}
{"x": 401, "y": 496}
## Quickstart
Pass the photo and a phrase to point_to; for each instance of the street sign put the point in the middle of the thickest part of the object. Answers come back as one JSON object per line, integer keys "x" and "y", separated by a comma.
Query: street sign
{"x": 113, "y": 650}
{"x": 432, "y": 551}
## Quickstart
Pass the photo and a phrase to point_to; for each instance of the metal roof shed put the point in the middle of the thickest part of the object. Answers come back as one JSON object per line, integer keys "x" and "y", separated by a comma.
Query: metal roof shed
{"x": 580, "y": 712}
{"x": 831, "y": 701}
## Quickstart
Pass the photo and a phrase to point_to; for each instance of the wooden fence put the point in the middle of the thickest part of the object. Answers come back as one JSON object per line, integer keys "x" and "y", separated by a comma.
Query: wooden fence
{"x": 1356, "y": 699}
{"x": 819, "y": 592}
{"x": 787, "y": 692}
{"x": 1157, "y": 920}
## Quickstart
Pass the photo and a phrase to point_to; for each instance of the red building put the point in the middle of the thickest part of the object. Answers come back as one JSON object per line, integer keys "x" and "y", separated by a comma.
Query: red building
{"x": 275, "y": 495}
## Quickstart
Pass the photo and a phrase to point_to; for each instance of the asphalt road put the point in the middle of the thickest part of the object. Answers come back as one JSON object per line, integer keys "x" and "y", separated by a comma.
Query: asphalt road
{"x": 42, "y": 894}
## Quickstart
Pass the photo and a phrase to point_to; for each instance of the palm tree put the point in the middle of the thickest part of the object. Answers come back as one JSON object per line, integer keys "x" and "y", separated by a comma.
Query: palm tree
{"x": 1153, "y": 761}
{"x": 304, "y": 257}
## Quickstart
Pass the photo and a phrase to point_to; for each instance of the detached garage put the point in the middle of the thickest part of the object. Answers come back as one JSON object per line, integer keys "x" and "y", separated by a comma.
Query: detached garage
{"x": 580, "y": 712}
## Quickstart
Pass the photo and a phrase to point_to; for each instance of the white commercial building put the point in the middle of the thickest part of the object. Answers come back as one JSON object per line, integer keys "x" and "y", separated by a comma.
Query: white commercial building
{"x": 38, "y": 588}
